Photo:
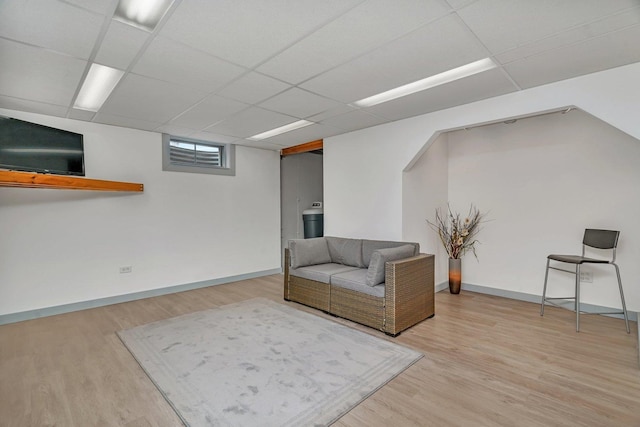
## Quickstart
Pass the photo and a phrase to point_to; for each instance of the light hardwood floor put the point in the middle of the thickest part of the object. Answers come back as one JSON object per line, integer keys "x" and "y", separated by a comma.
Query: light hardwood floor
{"x": 488, "y": 361}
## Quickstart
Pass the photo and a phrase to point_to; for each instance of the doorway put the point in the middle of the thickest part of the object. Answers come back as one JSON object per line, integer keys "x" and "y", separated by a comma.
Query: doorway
{"x": 300, "y": 185}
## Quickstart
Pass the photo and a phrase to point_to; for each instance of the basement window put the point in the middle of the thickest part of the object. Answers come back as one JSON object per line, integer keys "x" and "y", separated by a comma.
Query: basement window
{"x": 195, "y": 156}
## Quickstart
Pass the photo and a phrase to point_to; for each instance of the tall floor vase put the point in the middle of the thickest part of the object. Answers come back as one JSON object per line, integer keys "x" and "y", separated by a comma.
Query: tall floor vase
{"x": 455, "y": 275}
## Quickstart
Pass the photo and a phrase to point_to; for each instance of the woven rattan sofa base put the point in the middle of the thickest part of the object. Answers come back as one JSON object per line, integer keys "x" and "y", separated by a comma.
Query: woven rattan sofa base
{"x": 309, "y": 292}
{"x": 356, "y": 306}
{"x": 408, "y": 300}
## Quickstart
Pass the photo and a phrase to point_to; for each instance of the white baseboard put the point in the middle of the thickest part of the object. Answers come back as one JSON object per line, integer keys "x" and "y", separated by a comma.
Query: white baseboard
{"x": 521, "y": 296}
{"x": 117, "y": 299}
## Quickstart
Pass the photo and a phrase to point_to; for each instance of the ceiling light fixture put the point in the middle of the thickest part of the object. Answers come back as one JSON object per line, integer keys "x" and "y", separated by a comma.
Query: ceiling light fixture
{"x": 282, "y": 129}
{"x": 429, "y": 82}
{"x": 97, "y": 87}
{"x": 144, "y": 14}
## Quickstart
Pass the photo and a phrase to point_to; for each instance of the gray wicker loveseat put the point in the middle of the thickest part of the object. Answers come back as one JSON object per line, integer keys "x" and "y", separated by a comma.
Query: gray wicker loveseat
{"x": 382, "y": 284}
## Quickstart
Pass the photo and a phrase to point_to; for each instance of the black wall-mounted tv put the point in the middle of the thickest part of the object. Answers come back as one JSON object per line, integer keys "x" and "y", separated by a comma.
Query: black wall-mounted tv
{"x": 26, "y": 146}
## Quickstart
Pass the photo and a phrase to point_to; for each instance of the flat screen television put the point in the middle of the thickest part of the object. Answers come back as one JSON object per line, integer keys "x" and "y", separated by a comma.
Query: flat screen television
{"x": 31, "y": 147}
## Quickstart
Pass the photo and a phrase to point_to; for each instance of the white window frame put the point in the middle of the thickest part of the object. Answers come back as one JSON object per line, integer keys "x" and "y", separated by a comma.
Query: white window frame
{"x": 228, "y": 158}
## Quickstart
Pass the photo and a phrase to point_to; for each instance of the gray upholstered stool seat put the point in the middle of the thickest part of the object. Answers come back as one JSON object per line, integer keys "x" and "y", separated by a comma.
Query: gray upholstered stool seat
{"x": 577, "y": 259}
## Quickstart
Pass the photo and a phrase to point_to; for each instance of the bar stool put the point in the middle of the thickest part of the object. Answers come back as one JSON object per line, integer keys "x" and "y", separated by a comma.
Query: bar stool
{"x": 600, "y": 239}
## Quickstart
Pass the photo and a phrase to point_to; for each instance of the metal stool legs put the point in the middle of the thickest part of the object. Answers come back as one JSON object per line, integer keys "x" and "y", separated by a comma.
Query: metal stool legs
{"x": 577, "y": 302}
{"x": 624, "y": 306}
{"x": 544, "y": 289}
{"x": 576, "y": 298}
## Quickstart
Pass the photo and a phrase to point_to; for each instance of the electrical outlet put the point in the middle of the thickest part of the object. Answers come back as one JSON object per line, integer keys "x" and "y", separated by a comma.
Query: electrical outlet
{"x": 586, "y": 277}
{"x": 126, "y": 269}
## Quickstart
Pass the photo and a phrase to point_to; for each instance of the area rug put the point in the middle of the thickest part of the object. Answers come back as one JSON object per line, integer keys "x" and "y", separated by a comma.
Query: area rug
{"x": 260, "y": 363}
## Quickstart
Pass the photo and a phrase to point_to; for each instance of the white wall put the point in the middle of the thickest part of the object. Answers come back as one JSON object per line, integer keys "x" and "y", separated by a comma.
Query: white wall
{"x": 60, "y": 246}
{"x": 363, "y": 184}
{"x": 363, "y": 169}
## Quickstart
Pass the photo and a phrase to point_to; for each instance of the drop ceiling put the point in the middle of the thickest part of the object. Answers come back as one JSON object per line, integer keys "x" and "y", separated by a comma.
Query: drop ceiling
{"x": 225, "y": 70}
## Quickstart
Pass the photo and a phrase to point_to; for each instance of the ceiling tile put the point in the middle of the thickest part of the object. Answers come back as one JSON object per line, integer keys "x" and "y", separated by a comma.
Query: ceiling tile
{"x": 120, "y": 46}
{"x": 175, "y": 130}
{"x": 415, "y": 56}
{"x": 38, "y": 74}
{"x": 173, "y": 62}
{"x": 206, "y": 113}
{"x": 299, "y": 103}
{"x": 263, "y": 145}
{"x": 253, "y": 88}
{"x": 100, "y": 6}
{"x": 32, "y": 106}
{"x": 214, "y": 137}
{"x": 523, "y": 21}
{"x": 350, "y": 82}
{"x": 357, "y": 119}
{"x": 342, "y": 39}
{"x": 470, "y": 89}
{"x": 573, "y": 35}
{"x": 597, "y": 54}
{"x": 251, "y": 31}
{"x": 51, "y": 24}
{"x": 341, "y": 109}
{"x": 147, "y": 99}
{"x": 457, "y": 4}
{"x": 129, "y": 122}
{"x": 251, "y": 122}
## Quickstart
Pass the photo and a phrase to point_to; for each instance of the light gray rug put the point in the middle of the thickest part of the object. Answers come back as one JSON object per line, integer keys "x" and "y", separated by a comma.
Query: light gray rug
{"x": 260, "y": 363}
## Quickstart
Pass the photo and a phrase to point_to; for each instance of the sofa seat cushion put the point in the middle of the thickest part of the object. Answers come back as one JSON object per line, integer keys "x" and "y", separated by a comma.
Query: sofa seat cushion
{"x": 309, "y": 252}
{"x": 345, "y": 251}
{"x": 370, "y": 246}
{"x": 376, "y": 271}
{"x": 356, "y": 280}
{"x": 321, "y": 272}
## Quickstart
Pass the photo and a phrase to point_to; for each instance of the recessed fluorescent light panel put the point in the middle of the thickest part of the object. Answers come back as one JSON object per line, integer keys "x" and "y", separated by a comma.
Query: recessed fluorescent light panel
{"x": 424, "y": 84}
{"x": 97, "y": 87}
{"x": 144, "y": 14}
{"x": 282, "y": 129}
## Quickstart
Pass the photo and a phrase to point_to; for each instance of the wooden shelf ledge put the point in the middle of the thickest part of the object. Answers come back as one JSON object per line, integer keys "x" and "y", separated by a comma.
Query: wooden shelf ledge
{"x": 63, "y": 182}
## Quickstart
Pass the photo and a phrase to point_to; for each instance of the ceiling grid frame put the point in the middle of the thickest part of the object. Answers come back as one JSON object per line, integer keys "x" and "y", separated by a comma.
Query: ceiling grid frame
{"x": 580, "y": 38}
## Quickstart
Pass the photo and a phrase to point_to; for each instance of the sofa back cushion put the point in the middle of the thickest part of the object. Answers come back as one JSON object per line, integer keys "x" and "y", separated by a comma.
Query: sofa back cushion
{"x": 345, "y": 251}
{"x": 305, "y": 252}
{"x": 376, "y": 270}
{"x": 370, "y": 246}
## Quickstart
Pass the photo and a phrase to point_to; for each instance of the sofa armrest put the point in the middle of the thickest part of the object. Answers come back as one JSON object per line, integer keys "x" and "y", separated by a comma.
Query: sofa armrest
{"x": 287, "y": 263}
{"x": 409, "y": 292}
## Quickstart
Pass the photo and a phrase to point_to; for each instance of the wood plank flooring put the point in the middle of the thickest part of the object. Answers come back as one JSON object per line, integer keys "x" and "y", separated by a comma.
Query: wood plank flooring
{"x": 488, "y": 361}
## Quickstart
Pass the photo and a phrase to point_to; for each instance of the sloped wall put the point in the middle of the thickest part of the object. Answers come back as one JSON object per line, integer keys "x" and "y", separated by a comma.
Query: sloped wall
{"x": 543, "y": 180}
{"x": 425, "y": 188}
